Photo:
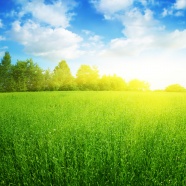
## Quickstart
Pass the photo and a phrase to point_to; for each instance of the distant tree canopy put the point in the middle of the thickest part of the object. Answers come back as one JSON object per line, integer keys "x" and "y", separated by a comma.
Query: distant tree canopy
{"x": 28, "y": 76}
{"x": 175, "y": 88}
{"x": 6, "y": 74}
{"x": 62, "y": 78}
{"x": 112, "y": 83}
{"x": 138, "y": 85}
{"x": 87, "y": 78}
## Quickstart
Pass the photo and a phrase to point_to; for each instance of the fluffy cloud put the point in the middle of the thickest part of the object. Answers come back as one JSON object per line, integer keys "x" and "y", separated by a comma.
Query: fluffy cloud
{"x": 92, "y": 40}
{"x": 146, "y": 2}
{"x": 176, "y": 40}
{"x": 167, "y": 12}
{"x": 1, "y": 24}
{"x": 92, "y": 44}
{"x": 180, "y": 4}
{"x": 2, "y": 38}
{"x": 108, "y": 7}
{"x": 171, "y": 43}
{"x": 42, "y": 29}
{"x": 53, "y": 43}
{"x": 139, "y": 33}
{"x": 42, "y": 12}
{"x": 143, "y": 33}
{"x": 179, "y": 14}
{"x": 175, "y": 10}
{"x": 139, "y": 24}
{"x": 127, "y": 47}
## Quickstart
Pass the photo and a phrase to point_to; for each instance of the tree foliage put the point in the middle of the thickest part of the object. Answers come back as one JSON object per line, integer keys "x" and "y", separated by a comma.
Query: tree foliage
{"x": 47, "y": 80}
{"x": 6, "y": 80}
{"x": 112, "y": 83}
{"x": 175, "y": 88}
{"x": 28, "y": 76}
{"x": 62, "y": 77}
{"x": 87, "y": 78}
{"x": 138, "y": 85}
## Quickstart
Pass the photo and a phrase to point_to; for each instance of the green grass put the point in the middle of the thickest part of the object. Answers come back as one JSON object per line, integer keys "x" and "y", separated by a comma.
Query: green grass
{"x": 93, "y": 138}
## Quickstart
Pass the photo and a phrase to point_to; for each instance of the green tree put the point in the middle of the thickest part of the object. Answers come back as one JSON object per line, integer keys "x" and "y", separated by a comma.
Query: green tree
{"x": 112, "y": 83}
{"x": 28, "y": 76}
{"x": 36, "y": 78}
{"x": 175, "y": 88}
{"x": 62, "y": 77}
{"x": 6, "y": 80}
{"x": 20, "y": 75}
{"x": 138, "y": 85}
{"x": 87, "y": 78}
{"x": 47, "y": 82}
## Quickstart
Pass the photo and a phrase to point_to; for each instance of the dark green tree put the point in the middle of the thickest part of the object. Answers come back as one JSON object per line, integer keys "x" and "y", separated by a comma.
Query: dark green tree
{"x": 28, "y": 76}
{"x": 62, "y": 77}
{"x": 21, "y": 76}
{"x": 6, "y": 80}
{"x": 87, "y": 78}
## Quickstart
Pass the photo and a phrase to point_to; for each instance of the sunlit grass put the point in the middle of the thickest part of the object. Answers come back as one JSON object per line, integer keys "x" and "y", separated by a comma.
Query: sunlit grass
{"x": 92, "y": 138}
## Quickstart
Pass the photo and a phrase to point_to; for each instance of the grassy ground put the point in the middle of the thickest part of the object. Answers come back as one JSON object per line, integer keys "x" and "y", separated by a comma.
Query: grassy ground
{"x": 92, "y": 138}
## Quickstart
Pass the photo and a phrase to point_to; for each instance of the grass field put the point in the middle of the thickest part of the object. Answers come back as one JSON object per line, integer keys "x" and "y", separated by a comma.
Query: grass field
{"x": 93, "y": 138}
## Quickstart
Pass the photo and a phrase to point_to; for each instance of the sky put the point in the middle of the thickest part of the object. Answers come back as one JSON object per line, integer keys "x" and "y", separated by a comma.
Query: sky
{"x": 143, "y": 39}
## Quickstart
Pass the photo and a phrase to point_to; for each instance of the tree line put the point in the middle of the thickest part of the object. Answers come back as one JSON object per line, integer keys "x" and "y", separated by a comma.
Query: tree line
{"x": 28, "y": 76}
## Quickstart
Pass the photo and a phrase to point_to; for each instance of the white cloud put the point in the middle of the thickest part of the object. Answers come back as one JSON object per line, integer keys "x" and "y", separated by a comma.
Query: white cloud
{"x": 143, "y": 33}
{"x": 140, "y": 30}
{"x": 167, "y": 12}
{"x": 179, "y": 14}
{"x": 121, "y": 47}
{"x": 11, "y": 14}
{"x": 161, "y": 43}
{"x": 147, "y": 2}
{"x": 1, "y": 24}
{"x": 92, "y": 43}
{"x": 180, "y": 4}
{"x": 173, "y": 11}
{"x": 56, "y": 14}
{"x": 143, "y": 2}
{"x": 47, "y": 42}
{"x": 41, "y": 29}
{"x": 109, "y": 7}
{"x": 172, "y": 42}
{"x": 2, "y": 38}
{"x": 138, "y": 24}
{"x": 177, "y": 40}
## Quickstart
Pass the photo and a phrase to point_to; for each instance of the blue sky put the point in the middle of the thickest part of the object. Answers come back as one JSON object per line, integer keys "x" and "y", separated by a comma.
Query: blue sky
{"x": 144, "y": 39}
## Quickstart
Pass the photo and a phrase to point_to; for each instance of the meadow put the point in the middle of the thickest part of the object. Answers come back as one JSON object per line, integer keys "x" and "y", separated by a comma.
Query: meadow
{"x": 93, "y": 138}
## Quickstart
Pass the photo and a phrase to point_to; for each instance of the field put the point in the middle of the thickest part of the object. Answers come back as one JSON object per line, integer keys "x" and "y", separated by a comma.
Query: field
{"x": 93, "y": 138}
